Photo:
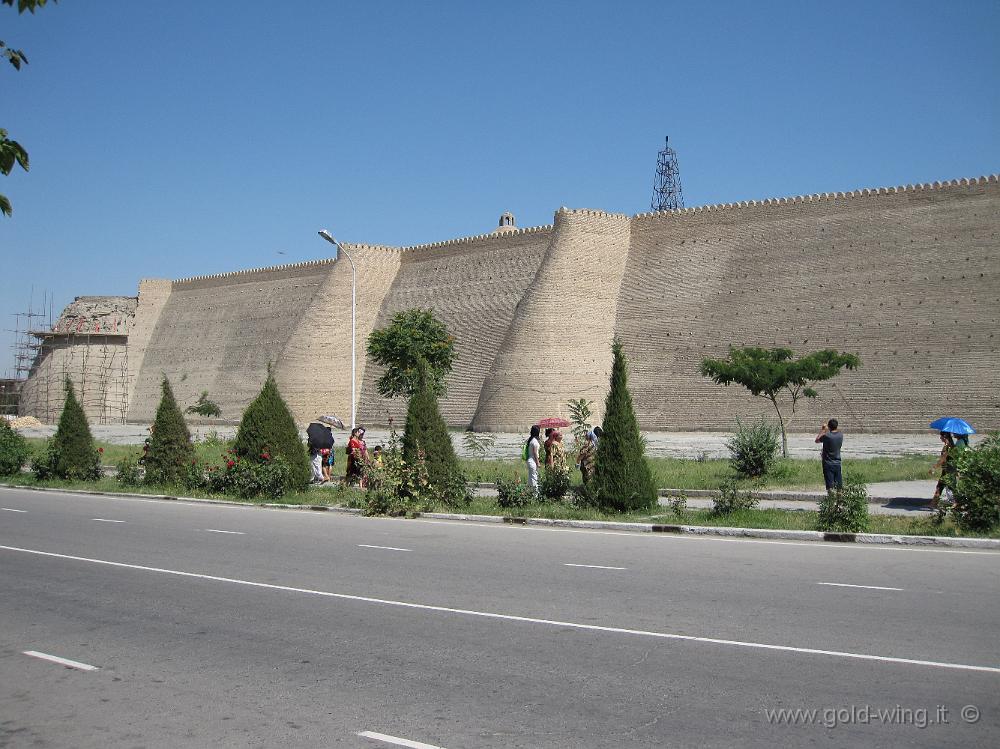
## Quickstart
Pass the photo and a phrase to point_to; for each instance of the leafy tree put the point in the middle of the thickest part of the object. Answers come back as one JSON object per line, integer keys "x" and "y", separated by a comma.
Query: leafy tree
{"x": 204, "y": 406}
{"x": 580, "y": 414}
{"x": 268, "y": 429}
{"x": 767, "y": 373}
{"x": 70, "y": 454}
{"x": 413, "y": 334}
{"x": 170, "y": 450}
{"x": 426, "y": 438}
{"x": 622, "y": 478}
{"x": 977, "y": 489}
{"x": 11, "y": 152}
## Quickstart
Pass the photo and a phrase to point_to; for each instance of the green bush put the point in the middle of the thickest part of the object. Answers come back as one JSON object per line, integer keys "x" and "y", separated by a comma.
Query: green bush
{"x": 622, "y": 480}
{"x": 732, "y": 497}
{"x": 396, "y": 487}
{"x": 70, "y": 454}
{"x": 14, "y": 450}
{"x": 267, "y": 478}
{"x": 170, "y": 449}
{"x": 977, "y": 489}
{"x": 267, "y": 428}
{"x": 845, "y": 511}
{"x": 513, "y": 493}
{"x": 554, "y": 485}
{"x": 128, "y": 473}
{"x": 753, "y": 448}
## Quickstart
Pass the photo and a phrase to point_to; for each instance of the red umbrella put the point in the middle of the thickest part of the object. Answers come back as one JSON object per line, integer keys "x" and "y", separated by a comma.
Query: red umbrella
{"x": 553, "y": 421}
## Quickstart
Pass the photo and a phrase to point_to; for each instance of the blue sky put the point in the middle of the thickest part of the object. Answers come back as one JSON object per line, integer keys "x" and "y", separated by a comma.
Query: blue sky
{"x": 187, "y": 138}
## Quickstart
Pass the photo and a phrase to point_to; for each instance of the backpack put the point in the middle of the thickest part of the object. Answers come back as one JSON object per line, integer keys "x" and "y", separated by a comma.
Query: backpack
{"x": 524, "y": 451}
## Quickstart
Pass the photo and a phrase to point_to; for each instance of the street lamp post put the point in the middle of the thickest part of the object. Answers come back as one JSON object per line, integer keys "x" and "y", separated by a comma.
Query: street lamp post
{"x": 354, "y": 305}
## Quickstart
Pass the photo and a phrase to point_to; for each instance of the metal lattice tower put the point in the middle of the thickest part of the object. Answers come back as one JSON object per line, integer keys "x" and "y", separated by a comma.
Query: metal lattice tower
{"x": 667, "y": 193}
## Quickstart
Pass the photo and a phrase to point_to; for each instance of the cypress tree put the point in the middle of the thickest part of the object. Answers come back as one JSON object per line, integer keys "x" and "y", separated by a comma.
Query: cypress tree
{"x": 73, "y": 455}
{"x": 267, "y": 427}
{"x": 170, "y": 449}
{"x": 623, "y": 480}
{"x": 425, "y": 430}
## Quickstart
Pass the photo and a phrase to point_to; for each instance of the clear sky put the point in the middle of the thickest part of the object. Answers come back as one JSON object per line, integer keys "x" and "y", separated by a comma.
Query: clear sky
{"x": 170, "y": 139}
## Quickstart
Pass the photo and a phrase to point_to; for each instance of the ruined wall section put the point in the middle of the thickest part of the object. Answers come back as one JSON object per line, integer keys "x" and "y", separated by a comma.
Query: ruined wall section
{"x": 219, "y": 333}
{"x": 87, "y": 344}
{"x": 908, "y": 278}
{"x": 314, "y": 369}
{"x": 558, "y": 346}
{"x": 474, "y": 286}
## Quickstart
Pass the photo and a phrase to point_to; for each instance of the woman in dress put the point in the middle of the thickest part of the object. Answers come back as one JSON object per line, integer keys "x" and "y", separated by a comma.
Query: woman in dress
{"x": 946, "y": 463}
{"x": 357, "y": 456}
{"x": 531, "y": 448}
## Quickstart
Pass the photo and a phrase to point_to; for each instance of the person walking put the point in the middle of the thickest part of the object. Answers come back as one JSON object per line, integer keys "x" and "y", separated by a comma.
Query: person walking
{"x": 587, "y": 459}
{"x": 320, "y": 441}
{"x": 946, "y": 464}
{"x": 832, "y": 440}
{"x": 357, "y": 456}
{"x": 531, "y": 448}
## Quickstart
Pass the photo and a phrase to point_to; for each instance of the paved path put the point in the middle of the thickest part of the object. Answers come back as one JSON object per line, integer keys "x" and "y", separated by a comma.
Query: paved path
{"x": 660, "y": 444}
{"x": 228, "y": 626}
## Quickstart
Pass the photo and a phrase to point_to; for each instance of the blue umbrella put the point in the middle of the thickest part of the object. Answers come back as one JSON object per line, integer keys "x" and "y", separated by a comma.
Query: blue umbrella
{"x": 953, "y": 425}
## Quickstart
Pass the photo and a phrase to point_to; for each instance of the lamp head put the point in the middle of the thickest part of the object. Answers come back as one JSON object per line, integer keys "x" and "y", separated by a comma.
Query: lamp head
{"x": 328, "y": 237}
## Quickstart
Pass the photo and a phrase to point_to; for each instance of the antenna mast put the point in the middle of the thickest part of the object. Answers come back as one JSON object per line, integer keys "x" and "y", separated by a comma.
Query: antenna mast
{"x": 667, "y": 194}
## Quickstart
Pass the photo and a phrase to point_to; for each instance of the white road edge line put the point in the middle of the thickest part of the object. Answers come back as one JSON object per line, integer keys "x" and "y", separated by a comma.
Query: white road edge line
{"x": 61, "y": 661}
{"x": 514, "y": 618}
{"x": 595, "y": 566}
{"x": 396, "y": 740}
{"x": 231, "y": 533}
{"x": 387, "y": 548}
{"x": 105, "y": 520}
{"x": 11, "y": 509}
{"x": 867, "y": 587}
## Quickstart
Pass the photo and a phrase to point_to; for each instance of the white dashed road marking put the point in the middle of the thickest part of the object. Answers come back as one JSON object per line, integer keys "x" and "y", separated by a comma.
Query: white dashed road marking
{"x": 231, "y": 533}
{"x": 61, "y": 661}
{"x": 387, "y": 548}
{"x": 397, "y": 741}
{"x": 105, "y": 520}
{"x": 11, "y": 509}
{"x": 867, "y": 587}
{"x": 595, "y": 566}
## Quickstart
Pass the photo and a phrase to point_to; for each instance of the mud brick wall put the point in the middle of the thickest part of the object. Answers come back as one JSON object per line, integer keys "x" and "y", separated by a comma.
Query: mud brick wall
{"x": 908, "y": 278}
{"x": 219, "y": 333}
{"x": 474, "y": 286}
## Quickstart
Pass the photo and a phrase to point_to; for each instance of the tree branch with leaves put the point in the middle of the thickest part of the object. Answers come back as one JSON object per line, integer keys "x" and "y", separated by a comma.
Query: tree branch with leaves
{"x": 767, "y": 373}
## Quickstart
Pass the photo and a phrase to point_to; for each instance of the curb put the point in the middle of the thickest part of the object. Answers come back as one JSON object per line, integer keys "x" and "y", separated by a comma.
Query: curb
{"x": 607, "y": 525}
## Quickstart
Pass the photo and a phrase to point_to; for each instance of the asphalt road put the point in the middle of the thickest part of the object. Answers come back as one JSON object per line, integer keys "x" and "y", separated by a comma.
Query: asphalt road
{"x": 226, "y": 626}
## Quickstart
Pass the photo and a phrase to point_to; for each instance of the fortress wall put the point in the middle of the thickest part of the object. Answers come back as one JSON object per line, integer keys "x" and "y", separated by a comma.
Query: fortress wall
{"x": 153, "y": 296}
{"x": 314, "y": 368}
{"x": 558, "y": 346}
{"x": 474, "y": 286}
{"x": 909, "y": 278}
{"x": 219, "y": 333}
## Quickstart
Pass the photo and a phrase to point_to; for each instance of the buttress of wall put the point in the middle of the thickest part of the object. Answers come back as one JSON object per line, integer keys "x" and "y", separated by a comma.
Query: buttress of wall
{"x": 908, "y": 278}
{"x": 314, "y": 370}
{"x": 558, "y": 347}
{"x": 153, "y": 296}
{"x": 473, "y": 285}
{"x": 219, "y": 333}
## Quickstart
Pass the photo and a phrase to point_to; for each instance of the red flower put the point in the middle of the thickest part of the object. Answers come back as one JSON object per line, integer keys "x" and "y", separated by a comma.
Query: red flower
{"x": 265, "y": 456}
{"x": 100, "y": 449}
{"x": 230, "y": 463}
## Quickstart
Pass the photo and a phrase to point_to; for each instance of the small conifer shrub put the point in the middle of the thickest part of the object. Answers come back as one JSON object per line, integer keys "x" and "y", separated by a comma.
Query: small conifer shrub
{"x": 71, "y": 453}
{"x": 268, "y": 429}
{"x": 170, "y": 450}
{"x": 426, "y": 440}
{"x": 622, "y": 478}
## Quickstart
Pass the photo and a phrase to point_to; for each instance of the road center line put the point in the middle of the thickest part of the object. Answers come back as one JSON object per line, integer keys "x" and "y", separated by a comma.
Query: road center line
{"x": 61, "y": 661}
{"x": 231, "y": 533}
{"x": 105, "y": 520}
{"x": 11, "y": 509}
{"x": 515, "y": 618}
{"x": 387, "y": 548}
{"x": 595, "y": 566}
{"x": 868, "y": 587}
{"x": 397, "y": 741}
